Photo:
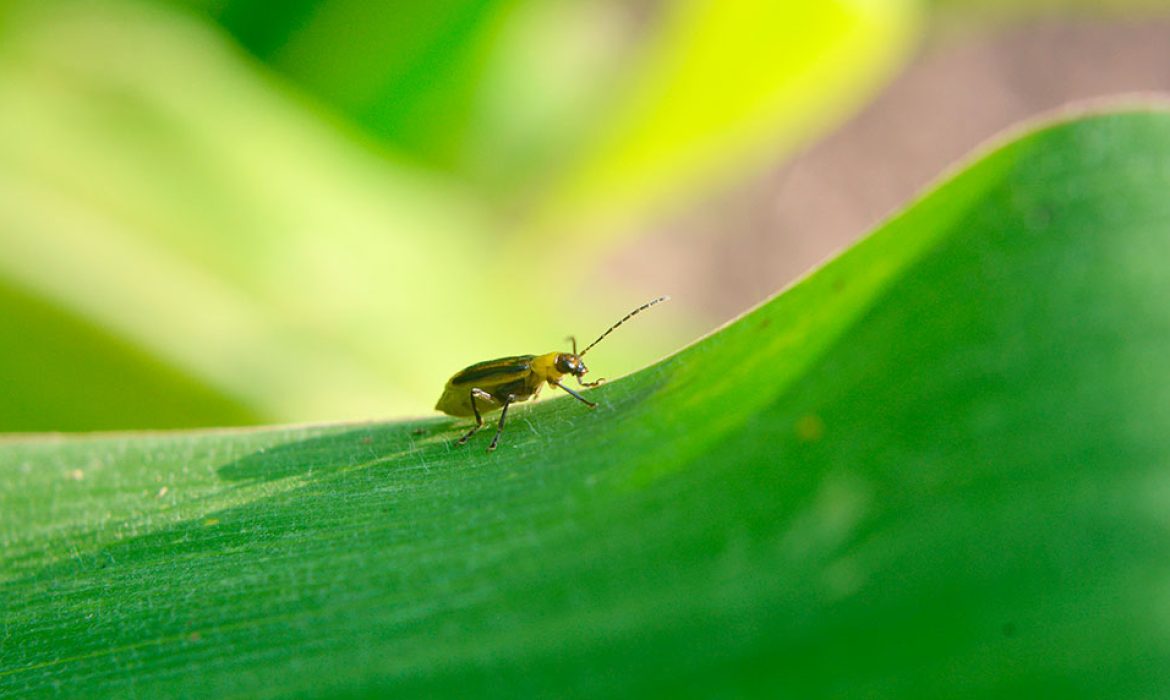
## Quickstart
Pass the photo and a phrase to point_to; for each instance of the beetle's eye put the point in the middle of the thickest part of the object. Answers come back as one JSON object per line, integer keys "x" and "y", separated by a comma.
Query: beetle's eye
{"x": 564, "y": 365}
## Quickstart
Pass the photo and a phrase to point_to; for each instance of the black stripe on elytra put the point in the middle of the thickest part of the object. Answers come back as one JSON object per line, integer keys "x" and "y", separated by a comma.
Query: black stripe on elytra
{"x": 498, "y": 368}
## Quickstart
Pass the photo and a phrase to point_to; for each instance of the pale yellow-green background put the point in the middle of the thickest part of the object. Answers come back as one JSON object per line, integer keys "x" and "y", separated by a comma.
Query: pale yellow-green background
{"x": 231, "y": 211}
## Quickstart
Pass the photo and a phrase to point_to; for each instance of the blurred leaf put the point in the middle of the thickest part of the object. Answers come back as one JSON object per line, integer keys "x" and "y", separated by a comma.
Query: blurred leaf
{"x": 427, "y": 77}
{"x": 727, "y": 87}
{"x": 213, "y": 225}
{"x": 935, "y": 467}
{"x": 408, "y": 72}
{"x": 58, "y": 372}
{"x": 513, "y": 94}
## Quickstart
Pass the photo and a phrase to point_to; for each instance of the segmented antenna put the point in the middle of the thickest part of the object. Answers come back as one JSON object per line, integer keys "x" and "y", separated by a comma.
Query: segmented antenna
{"x": 628, "y": 316}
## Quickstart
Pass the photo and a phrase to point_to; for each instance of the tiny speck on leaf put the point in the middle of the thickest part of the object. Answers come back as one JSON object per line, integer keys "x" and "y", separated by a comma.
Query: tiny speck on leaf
{"x": 810, "y": 428}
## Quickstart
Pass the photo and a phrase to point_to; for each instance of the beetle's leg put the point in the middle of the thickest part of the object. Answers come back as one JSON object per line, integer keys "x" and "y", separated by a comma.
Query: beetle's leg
{"x": 500, "y": 427}
{"x": 475, "y": 394}
{"x": 574, "y": 394}
{"x": 589, "y": 385}
{"x": 573, "y": 339}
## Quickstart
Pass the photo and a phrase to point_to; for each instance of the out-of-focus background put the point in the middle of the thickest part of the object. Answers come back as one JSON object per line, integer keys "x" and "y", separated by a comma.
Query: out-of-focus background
{"x": 228, "y": 212}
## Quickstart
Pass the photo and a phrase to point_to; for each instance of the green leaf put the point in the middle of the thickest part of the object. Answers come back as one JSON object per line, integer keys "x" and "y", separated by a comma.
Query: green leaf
{"x": 935, "y": 467}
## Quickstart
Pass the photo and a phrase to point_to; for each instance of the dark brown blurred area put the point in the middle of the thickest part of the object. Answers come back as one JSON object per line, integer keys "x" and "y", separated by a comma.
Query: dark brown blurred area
{"x": 736, "y": 249}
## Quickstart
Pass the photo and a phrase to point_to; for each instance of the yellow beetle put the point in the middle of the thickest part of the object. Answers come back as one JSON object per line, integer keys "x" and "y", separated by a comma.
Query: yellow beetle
{"x": 497, "y": 384}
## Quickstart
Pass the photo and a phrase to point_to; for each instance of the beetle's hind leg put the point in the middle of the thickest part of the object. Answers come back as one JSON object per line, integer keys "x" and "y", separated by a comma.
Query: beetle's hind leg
{"x": 472, "y": 396}
{"x": 500, "y": 427}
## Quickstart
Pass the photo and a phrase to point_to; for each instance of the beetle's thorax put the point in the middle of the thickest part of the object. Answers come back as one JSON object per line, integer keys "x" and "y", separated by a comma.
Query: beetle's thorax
{"x": 545, "y": 367}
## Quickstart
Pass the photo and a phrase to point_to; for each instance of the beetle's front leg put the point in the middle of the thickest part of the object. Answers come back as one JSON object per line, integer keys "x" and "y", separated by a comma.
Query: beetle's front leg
{"x": 590, "y": 385}
{"x": 472, "y": 396}
{"x": 574, "y": 394}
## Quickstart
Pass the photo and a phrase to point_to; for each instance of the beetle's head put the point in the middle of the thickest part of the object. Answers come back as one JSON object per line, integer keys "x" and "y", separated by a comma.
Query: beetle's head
{"x": 568, "y": 363}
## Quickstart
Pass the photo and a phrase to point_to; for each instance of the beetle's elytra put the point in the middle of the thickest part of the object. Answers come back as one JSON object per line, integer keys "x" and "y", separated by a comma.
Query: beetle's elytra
{"x": 495, "y": 385}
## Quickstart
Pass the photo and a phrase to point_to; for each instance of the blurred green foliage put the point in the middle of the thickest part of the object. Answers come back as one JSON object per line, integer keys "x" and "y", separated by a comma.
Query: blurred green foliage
{"x": 64, "y": 372}
{"x": 319, "y": 210}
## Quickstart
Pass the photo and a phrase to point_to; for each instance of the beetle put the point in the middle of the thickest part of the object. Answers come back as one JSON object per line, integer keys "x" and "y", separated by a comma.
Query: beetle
{"x": 495, "y": 385}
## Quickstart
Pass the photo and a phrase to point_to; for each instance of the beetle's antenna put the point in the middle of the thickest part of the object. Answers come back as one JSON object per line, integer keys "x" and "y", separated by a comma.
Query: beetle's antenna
{"x": 628, "y": 316}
